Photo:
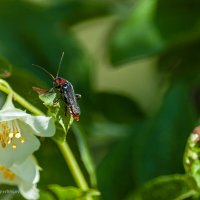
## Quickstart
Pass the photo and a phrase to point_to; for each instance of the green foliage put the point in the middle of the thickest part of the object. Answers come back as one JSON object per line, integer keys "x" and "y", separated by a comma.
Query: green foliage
{"x": 168, "y": 133}
{"x": 70, "y": 193}
{"x": 136, "y": 37}
{"x": 85, "y": 155}
{"x": 117, "y": 137}
{"x": 167, "y": 187}
{"x": 128, "y": 113}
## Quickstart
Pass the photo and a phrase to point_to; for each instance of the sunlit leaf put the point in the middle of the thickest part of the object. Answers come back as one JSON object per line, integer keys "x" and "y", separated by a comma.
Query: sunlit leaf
{"x": 46, "y": 195}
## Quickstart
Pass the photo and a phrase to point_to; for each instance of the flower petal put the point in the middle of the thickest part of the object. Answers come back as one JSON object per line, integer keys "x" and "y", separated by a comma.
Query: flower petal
{"x": 8, "y": 103}
{"x": 26, "y": 177}
{"x": 10, "y": 156}
{"x": 28, "y": 170}
{"x": 43, "y": 126}
{"x": 11, "y": 114}
{"x": 29, "y": 191}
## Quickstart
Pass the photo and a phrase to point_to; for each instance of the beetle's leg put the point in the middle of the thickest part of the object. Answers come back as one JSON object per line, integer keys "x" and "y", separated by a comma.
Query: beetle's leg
{"x": 78, "y": 96}
{"x": 56, "y": 101}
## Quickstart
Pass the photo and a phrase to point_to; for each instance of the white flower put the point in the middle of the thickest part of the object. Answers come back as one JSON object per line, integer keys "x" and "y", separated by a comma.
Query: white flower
{"x": 17, "y": 133}
{"x": 25, "y": 176}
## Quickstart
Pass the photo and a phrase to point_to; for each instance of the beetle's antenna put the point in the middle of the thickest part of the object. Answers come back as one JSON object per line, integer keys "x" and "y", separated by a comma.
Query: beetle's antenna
{"x": 60, "y": 64}
{"x": 44, "y": 70}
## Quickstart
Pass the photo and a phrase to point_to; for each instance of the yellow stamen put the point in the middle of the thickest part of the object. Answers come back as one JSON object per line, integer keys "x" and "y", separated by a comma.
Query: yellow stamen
{"x": 15, "y": 131}
{"x": 7, "y": 173}
{"x": 17, "y": 135}
{"x": 10, "y": 133}
{"x": 9, "y": 141}
{"x": 22, "y": 140}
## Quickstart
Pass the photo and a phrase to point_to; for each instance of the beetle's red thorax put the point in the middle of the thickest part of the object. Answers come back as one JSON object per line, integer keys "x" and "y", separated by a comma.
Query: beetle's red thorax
{"x": 60, "y": 81}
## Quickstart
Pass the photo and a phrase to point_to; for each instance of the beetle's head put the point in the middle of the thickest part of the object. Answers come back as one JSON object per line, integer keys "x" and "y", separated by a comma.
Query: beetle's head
{"x": 59, "y": 81}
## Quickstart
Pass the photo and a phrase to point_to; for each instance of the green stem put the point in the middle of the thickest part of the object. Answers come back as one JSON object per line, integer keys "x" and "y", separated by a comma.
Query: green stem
{"x": 73, "y": 165}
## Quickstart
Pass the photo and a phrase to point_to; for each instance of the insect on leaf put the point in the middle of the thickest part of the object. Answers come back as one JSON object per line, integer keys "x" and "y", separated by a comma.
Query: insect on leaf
{"x": 56, "y": 109}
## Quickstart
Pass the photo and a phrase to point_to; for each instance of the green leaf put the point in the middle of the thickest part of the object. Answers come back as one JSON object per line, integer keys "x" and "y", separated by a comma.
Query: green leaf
{"x": 57, "y": 111}
{"x": 71, "y": 193}
{"x": 177, "y": 187}
{"x": 77, "y": 11}
{"x": 46, "y": 195}
{"x": 162, "y": 141}
{"x": 177, "y": 18}
{"x": 179, "y": 27}
{"x": 152, "y": 26}
{"x": 137, "y": 36}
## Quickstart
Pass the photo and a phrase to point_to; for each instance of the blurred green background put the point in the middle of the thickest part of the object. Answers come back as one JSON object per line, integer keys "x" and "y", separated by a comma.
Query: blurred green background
{"x": 136, "y": 64}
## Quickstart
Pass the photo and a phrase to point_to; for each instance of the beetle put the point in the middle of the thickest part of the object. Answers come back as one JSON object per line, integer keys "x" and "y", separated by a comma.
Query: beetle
{"x": 66, "y": 90}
